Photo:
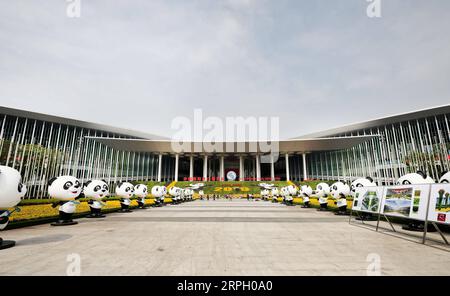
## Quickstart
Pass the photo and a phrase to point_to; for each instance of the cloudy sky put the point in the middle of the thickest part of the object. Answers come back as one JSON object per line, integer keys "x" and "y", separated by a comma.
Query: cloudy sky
{"x": 137, "y": 64}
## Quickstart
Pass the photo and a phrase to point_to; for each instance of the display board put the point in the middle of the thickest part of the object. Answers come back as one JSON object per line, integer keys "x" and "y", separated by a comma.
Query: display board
{"x": 439, "y": 209}
{"x": 368, "y": 199}
{"x": 406, "y": 201}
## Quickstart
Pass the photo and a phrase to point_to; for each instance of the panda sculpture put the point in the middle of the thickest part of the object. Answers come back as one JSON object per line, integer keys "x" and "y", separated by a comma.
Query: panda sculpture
{"x": 306, "y": 192}
{"x": 275, "y": 193}
{"x": 185, "y": 194}
{"x": 67, "y": 190}
{"x": 322, "y": 192}
{"x": 283, "y": 193}
{"x": 358, "y": 183}
{"x": 164, "y": 191}
{"x": 415, "y": 178}
{"x": 411, "y": 179}
{"x": 175, "y": 192}
{"x": 191, "y": 194}
{"x": 339, "y": 191}
{"x": 11, "y": 191}
{"x": 445, "y": 178}
{"x": 141, "y": 192}
{"x": 265, "y": 194}
{"x": 125, "y": 191}
{"x": 291, "y": 191}
{"x": 158, "y": 193}
{"x": 96, "y": 190}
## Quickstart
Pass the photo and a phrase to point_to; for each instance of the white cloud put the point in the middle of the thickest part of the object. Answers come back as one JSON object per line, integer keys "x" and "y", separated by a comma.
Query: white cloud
{"x": 315, "y": 64}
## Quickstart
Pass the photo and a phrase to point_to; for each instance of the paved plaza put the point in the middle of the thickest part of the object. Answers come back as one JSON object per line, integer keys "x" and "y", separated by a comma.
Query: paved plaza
{"x": 219, "y": 237}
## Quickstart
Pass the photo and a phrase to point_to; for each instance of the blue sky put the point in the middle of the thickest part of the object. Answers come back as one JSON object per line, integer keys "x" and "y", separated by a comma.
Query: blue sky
{"x": 138, "y": 64}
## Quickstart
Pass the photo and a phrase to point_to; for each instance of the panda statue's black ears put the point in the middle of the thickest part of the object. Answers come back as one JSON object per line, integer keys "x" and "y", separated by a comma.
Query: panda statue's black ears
{"x": 104, "y": 181}
{"x": 51, "y": 181}
{"x": 442, "y": 174}
{"x": 370, "y": 179}
{"x": 87, "y": 183}
{"x": 422, "y": 174}
{"x": 119, "y": 185}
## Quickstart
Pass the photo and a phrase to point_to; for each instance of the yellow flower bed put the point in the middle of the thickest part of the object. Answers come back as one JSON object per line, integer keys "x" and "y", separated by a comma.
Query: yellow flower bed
{"x": 47, "y": 211}
{"x": 443, "y": 210}
{"x": 315, "y": 201}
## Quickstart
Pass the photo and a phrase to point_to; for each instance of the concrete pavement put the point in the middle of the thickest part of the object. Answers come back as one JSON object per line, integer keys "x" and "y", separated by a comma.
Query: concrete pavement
{"x": 217, "y": 238}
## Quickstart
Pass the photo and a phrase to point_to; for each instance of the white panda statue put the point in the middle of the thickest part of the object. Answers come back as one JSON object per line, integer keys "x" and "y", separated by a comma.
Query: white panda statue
{"x": 164, "y": 191}
{"x": 361, "y": 182}
{"x": 291, "y": 191}
{"x": 141, "y": 192}
{"x": 283, "y": 192}
{"x": 264, "y": 194}
{"x": 11, "y": 191}
{"x": 322, "y": 192}
{"x": 445, "y": 178}
{"x": 175, "y": 193}
{"x": 96, "y": 190}
{"x": 415, "y": 178}
{"x": 125, "y": 191}
{"x": 185, "y": 194}
{"x": 339, "y": 191}
{"x": 306, "y": 192}
{"x": 158, "y": 193}
{"x": 67, "y": 190}
{"x": 275, "y": 193}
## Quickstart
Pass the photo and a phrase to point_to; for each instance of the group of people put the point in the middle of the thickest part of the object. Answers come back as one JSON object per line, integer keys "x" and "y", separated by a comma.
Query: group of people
{"x": 214, "y": 196}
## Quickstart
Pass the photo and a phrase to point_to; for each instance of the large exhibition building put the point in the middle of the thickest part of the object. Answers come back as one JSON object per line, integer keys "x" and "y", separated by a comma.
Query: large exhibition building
{"x": 42, "y": 146}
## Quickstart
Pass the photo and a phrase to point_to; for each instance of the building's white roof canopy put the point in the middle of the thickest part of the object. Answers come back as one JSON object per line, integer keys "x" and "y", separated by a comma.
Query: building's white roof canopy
{"x": 320, "y": 141}
{"x": 284, "y": 146}
{"x": 77, "y": 123}
{"x": 435, "y": 111}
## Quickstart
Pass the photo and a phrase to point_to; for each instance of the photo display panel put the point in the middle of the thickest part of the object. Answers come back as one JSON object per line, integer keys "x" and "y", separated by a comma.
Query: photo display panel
{"x": 406, "y": 201}
{"x": 368, "y": 199}
{"x": 439, "y": 210}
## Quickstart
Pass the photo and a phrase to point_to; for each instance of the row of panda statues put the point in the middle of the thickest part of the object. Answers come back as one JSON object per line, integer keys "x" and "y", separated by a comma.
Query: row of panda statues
{"x": 339, "y": 191}
{"x": 68, "y": 189}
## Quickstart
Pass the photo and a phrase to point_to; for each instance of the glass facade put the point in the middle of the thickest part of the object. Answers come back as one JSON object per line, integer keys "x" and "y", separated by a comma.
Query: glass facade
{"x": 401, "y": 148}
{"x": 41, "y": 150}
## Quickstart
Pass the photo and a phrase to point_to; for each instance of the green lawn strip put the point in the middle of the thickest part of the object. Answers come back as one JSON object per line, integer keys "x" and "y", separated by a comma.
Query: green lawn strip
{"x": 217, "y": 187}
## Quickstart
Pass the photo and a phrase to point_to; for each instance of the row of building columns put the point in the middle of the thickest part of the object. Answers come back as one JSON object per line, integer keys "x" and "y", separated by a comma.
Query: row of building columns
{"x": 222, "y": 167}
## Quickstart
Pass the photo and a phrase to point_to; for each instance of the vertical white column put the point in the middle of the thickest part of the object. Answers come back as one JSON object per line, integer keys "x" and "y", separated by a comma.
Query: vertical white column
{"x": 191, "y": 167}
{"x": 159, "y": 167}
{"x": 258, "y": 168}
{"x": 305, "y": 177}
{"x": 177, "y": 159}
{"x": 241, "y": 168}
{"x": 222, "y": 167}
{"x": 205, "y": 167}
{"x": 288, "y": 177}
{"x": 272, "y": 168}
